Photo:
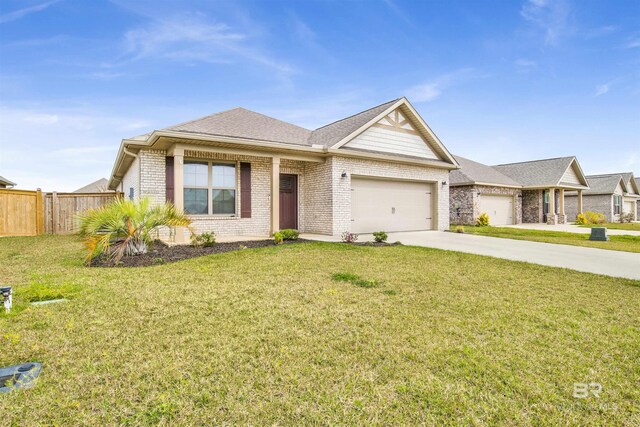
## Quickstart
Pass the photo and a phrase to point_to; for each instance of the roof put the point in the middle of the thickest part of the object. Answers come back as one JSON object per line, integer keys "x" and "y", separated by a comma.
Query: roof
{"x": 603, "y": 184}
{"x": 471, "y": 172}
{"x": 99, "y": 186}
{"x": 537, "y": 173}
{"x": 5, "y": 181}
{"x": 242, "y": 123}
{"x": 329, "y": 135}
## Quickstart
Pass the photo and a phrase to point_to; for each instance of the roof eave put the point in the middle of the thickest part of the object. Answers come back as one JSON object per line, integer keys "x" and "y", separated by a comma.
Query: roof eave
{"x": 486, "y": 184}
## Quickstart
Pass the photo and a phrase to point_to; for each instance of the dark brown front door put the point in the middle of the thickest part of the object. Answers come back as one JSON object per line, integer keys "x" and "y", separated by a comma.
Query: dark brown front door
{"x": 288, "y": 201}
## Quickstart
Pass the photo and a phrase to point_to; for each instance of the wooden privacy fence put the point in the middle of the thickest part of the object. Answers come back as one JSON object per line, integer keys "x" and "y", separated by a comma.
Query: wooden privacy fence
{"x": 29, "y": 213}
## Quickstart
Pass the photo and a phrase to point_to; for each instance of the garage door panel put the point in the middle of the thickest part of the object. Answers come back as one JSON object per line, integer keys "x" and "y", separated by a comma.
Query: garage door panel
{"x": 499, "y": 208}
{"x": 390, "y": 205}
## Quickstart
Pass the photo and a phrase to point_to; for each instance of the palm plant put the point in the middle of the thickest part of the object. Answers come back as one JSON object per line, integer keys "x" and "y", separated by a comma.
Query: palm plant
{"x": 124, "y": 227}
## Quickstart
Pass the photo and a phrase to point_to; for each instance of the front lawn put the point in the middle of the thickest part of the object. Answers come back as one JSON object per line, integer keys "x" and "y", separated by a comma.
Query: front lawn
{"x": 634, "y": 226}
{"x": 317, "y": 333}
{"x": 616, "y": 243}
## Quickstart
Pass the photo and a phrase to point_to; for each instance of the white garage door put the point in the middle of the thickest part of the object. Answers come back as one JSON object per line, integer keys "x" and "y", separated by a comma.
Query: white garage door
{"x": 499, "y": 208}
{"x": 378, "y": 205}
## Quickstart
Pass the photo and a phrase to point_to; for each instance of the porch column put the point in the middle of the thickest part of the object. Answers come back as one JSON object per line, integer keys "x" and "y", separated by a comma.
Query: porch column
{"x": 275, "y": 194}
{"x": 551, "y": 216}
{"x": 579, "y": 201}
{"x": 178, "y": 190}
{"x": 561, "y": 215}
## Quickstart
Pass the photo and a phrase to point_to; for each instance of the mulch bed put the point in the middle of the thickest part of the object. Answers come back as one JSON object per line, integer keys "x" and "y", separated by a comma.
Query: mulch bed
{"x": 160, "y": 253}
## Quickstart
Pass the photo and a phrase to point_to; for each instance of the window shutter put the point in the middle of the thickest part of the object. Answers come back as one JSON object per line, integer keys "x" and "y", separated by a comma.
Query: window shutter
{"x": 169, "y": 179}
{"x": 245, "y": 190}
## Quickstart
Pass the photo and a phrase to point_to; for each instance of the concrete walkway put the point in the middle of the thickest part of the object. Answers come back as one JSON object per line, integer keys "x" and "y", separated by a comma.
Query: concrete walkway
{"x": 589, "y": 260}
{"x": 571, "y": 228}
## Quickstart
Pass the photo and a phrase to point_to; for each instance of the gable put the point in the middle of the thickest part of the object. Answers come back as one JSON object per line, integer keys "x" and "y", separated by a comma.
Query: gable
{"x": 394, "y": 134}
{"x": 571, "y": 176}
{"x": 619, "y": 189}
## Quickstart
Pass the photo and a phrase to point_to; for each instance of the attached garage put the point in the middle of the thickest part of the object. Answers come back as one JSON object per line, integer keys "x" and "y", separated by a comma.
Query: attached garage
{"x": 498, "y": 207}
{"x": 391, "y": 206}
{"x": 629, "y": 206}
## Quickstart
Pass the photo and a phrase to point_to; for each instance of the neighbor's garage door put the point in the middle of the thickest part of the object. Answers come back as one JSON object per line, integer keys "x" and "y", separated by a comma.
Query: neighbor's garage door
{"x": 499, "y": 208}
{"x": 379, "y": 205}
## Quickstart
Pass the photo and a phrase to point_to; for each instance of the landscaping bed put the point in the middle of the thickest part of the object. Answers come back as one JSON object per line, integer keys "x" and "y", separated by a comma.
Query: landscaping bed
{"x": 161, "y": 253}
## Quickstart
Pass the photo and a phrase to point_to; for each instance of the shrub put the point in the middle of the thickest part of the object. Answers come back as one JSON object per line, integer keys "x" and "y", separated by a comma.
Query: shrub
{"x": 380, "y": 236}
{"x": 205, "y": 239}
{"x": 459, "y": 229}
{"x": 626, "y": 217}
{"x": 289, "y": 234}
{"x": 483, "y": 220}
{"x": 594, "y": 218}
{"x": 348, "y": 237}
{"x": 581, "y": 219}
{"x": 124, "y": 227}
{"x": 278, "y": 238}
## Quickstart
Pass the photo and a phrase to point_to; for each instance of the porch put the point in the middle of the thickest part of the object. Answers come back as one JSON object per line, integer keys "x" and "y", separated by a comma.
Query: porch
{"x": 548, "y": 205}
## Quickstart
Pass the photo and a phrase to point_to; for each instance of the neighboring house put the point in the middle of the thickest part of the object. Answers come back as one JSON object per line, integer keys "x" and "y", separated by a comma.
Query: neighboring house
{"x": 608, "y": 194}
{"x": 5, "y": 183}
{"x": 99, "y": 186}
{"x": 637, "y": 180}
{"x": 381, "y": 169}
{"x": 529, "y": 192}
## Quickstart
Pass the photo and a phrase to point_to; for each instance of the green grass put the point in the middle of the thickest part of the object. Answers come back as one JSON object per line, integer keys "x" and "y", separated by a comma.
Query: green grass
{"x": 616, "y": 243}
{"x": 634, "y": 226}
{"x": 267, "y": 336}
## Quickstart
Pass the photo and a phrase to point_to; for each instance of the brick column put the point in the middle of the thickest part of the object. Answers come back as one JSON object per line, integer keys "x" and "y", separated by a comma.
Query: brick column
{"x": 178, "y": 190}
{"x": 275, "y": 194}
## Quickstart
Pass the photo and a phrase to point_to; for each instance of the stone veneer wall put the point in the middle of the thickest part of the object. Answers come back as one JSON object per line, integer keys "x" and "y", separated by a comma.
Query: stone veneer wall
{"x": 468, "y": 202}
{"x": 531, "y": 206}
{"x": 461, "y": 205}
{"x": 341, "y": 205}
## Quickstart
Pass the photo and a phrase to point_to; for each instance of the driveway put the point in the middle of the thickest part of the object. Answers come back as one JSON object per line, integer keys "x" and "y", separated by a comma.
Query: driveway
{"x": 589, "y": 260}
{"x": 571, "y": 228}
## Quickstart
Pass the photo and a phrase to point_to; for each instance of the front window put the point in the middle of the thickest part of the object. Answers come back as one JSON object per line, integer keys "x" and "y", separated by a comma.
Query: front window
{"x": 617, "y": 204}
{"x": 202, "y": 179}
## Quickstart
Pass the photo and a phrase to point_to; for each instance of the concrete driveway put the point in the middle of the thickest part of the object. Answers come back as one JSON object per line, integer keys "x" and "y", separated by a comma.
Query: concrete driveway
{"x": 590, "y": 260}
{"x": 571, "y": 228}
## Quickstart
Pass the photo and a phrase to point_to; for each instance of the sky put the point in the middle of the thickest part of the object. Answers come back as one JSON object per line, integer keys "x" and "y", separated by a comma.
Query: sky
{"x": 497, "y": 81}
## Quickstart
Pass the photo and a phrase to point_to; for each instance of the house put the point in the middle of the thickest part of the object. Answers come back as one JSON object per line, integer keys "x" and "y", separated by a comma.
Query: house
{"x": 99, "y": 186}
{"x": 239, "y": 172}
{"x": 608, "y": 194}
{"x": 637, "y": 180}
{"x": 529, "y": 192}
{"x": 5, "y": 183}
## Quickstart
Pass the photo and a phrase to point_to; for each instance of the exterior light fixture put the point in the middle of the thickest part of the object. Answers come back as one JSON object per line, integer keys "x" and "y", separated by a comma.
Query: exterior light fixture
{"x": 444, "y": 182}
{"x": 344, "y": 174}
{"x": 6, "y": 294}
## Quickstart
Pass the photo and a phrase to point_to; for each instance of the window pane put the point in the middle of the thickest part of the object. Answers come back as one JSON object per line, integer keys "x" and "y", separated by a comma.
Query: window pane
{"x": 196, "y": 201}
{"x": 196, "y": 174}
{"x": 224, "y": 176}
{"x": 224, "y": 201}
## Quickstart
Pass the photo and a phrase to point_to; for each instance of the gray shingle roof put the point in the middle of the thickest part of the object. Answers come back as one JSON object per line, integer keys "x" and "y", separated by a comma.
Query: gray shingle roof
{"x": 332, "y": 133}
{"x": 545, "y": 172}
{"x": 99, "y": 186}
{"x": 5, "y": 181}
{"x": 603, "y": 184}
{"x": 474, "y": 172}
{"x": 242, "y": 123}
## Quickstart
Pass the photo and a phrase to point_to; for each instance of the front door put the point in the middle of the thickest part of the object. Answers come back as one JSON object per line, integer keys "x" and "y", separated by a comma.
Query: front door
{"x": 546, "y": 205}
{"x": 288, "y": 201}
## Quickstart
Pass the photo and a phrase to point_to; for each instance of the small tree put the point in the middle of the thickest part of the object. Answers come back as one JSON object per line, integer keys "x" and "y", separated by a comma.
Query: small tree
{"x": 124, "y": 227}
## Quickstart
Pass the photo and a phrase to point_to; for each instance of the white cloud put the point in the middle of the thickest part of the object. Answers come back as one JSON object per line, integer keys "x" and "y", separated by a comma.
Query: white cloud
{"x": 549, "y": 16}
{"x": 431, "y": 90}
{"x": 20, "y": 13}
{"x": 634, "y": 43}
{"x": 602, "y": 89}
{"x": 192, "y": 38}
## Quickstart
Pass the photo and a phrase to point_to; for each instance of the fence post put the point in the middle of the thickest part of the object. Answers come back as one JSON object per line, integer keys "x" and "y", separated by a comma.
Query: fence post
{"x": 39, "y": 212}
{"x": 54, "y": 212}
